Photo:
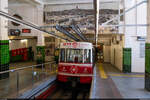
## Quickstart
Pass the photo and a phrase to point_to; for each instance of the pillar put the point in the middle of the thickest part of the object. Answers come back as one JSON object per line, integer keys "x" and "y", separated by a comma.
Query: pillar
{"x": 4, "y": 41}
{"x": 147, "y": 51}
{"x": 96, "y": 20}
{"x": 129, "y": 18}
{"x": 40, "y": 49}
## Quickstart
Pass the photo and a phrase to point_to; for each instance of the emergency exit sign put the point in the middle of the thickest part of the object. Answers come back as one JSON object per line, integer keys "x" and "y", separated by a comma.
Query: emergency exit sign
{"x": 26, "y": 30}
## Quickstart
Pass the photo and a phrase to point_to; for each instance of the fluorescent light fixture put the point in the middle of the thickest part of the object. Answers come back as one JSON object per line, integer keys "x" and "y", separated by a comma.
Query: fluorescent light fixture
{"x": 10, "y": 41}
{"x": 24, "y": 40}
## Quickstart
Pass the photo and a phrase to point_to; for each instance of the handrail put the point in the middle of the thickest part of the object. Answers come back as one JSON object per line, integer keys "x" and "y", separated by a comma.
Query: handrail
{"x": 13, "y": 70}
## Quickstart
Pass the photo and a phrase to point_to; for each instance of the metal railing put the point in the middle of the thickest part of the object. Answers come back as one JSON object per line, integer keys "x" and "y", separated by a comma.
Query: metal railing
{"x": 25, "y": 78}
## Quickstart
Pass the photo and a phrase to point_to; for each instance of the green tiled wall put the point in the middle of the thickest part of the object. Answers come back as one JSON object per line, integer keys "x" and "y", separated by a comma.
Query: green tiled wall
{"x": 147, "y": 58}
{"x": 4, "y": 58}
{"x": 147, "y": 66}
{"x": 40, "y": 54}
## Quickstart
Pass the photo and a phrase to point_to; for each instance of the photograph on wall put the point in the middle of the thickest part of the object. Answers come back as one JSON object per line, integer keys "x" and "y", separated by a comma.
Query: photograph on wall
{"x": 77, "y": 15}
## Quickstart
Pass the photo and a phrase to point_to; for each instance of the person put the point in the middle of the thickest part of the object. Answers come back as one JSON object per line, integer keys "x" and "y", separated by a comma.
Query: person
{"x": 39, "y": 57}
{"x": 32, "y": 55}
{"x": 76, "y": 59}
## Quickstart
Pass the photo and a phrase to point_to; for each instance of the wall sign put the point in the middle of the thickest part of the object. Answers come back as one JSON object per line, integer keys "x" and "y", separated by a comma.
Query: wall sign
{"x": 142, "y": 50}
{"x": 26, "y": 30}
{"x": 139, "y": 38}
{"x": 14, "y": 32}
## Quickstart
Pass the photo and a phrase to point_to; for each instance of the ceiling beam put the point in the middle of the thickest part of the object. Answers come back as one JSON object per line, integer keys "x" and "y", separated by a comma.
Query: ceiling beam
{"x": 34, "y": 2}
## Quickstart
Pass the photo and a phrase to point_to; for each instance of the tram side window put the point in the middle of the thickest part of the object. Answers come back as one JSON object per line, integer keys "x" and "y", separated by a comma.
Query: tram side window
{"x": 62, "y": 55}
{"x": 87, "y": 56}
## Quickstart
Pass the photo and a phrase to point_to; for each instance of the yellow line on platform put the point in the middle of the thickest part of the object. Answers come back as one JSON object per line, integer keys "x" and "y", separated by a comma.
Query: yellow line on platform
{"x": 126, "y": 75}
{"x": 102, "y": 72}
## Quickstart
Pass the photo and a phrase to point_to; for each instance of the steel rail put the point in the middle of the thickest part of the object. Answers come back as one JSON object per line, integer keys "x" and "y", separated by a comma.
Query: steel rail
{"x": 4, "y": 14}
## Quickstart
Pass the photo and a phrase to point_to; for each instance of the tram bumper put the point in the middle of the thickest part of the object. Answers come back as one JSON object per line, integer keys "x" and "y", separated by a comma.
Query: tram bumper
{"x": 74, "y": 77}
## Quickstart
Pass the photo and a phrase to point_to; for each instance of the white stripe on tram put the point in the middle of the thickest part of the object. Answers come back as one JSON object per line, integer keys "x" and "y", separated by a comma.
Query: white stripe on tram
{"x": 67, "y": 74}
{"x": 86, "y": 65}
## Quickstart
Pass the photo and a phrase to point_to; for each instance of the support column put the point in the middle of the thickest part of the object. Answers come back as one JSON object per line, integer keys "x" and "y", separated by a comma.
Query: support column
{"x": 40, "y": 56}
{"x": 127, "y": 50}
{"x": 147, "y": 51}
{"x": 96, "y": 4}
{"x": 40, "y": 49}
{"x": 4, "y": 41}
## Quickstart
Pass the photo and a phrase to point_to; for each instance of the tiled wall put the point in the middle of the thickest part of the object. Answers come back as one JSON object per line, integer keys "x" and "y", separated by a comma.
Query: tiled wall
{"x": 4, "y": 58}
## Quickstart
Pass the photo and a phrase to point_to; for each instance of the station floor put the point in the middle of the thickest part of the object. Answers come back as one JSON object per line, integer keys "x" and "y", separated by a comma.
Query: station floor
{"x": 109, "y": 82}
{"x": 28, "y": 79}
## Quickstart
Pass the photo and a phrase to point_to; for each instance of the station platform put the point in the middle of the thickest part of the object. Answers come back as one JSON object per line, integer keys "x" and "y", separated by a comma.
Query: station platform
{"x": 109, "y": 82}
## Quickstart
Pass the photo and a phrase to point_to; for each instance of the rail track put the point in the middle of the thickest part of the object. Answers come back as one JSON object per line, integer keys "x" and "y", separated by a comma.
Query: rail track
{"x": 66, "y": 91}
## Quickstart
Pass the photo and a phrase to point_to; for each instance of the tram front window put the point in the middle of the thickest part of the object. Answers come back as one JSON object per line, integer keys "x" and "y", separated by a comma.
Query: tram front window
{"x": 74, "y": 55}
{"x": 87, "y": 56}
{"x": 62, "y": 55}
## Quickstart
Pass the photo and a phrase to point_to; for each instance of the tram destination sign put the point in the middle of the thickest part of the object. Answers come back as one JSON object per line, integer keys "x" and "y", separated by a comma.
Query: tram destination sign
{"x": 77, "y": 45}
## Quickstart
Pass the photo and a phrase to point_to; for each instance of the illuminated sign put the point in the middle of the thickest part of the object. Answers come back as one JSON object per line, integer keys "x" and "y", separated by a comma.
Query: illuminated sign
{"x": 26, "y": 30}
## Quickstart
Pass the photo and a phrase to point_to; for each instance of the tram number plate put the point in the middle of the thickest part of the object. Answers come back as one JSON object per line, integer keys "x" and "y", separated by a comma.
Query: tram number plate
{"x": 73, "y": 78}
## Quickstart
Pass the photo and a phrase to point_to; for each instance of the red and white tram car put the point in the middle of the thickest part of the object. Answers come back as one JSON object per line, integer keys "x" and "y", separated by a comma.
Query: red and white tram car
{"x": 75, "y": 62}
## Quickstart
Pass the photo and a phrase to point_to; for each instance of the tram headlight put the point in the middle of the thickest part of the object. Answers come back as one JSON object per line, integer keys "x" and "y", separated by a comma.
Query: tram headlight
{"x": 87, "y": 70}
{"x": 64, "y": 69}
